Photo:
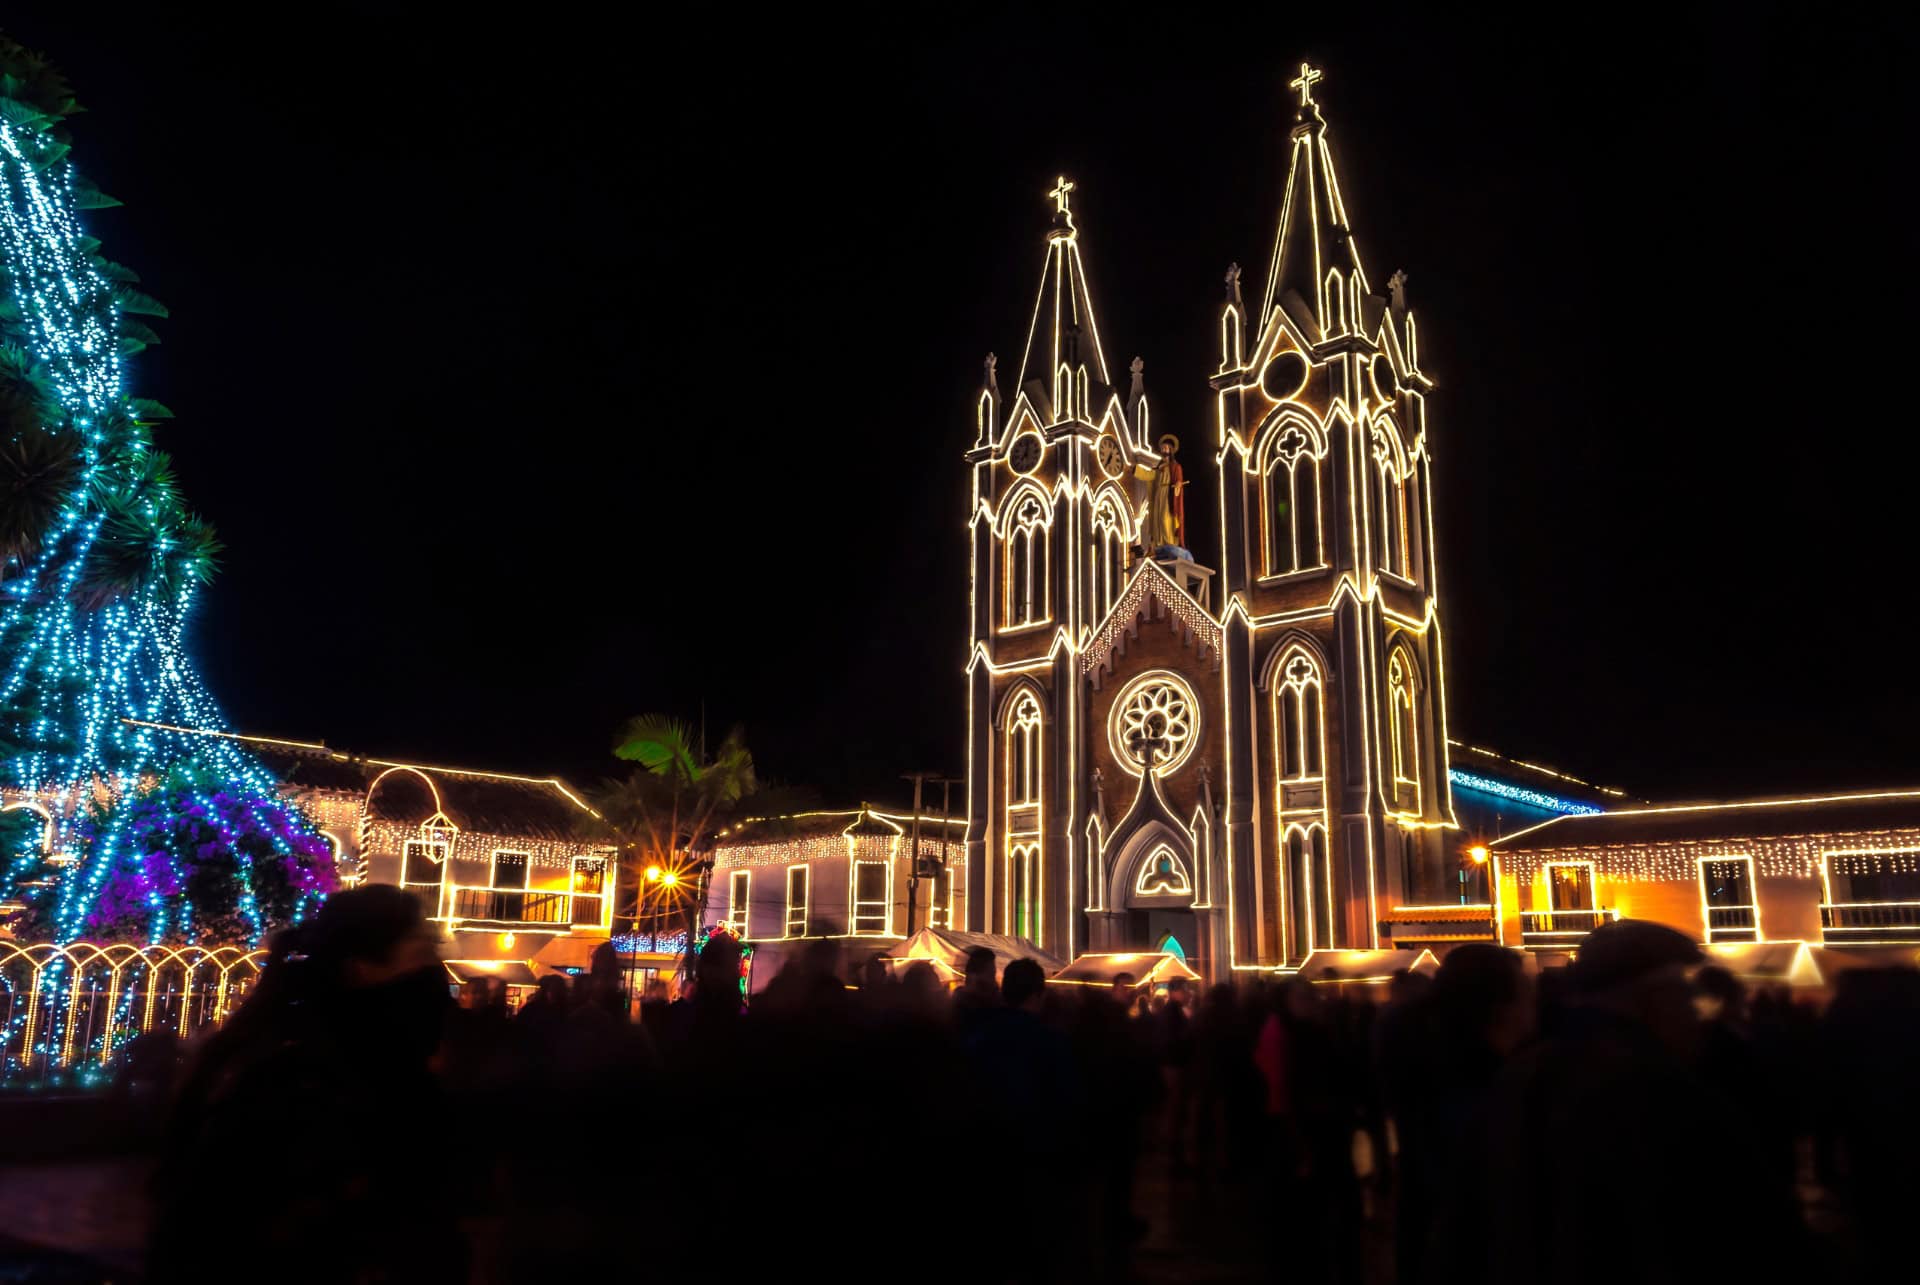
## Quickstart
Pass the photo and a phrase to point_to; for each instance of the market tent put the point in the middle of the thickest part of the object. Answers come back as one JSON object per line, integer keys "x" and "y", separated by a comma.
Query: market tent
{"x": 947, "y": 951}
{"x": 1365, "y": 965}
{"x": 1147, "y": 967}
{"x": 1789, "y": 963}
{"x": 511, "y": 971}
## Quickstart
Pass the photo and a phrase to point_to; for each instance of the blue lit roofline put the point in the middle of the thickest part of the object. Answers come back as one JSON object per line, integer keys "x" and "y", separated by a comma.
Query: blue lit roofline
{"x": 1519, "y": 794}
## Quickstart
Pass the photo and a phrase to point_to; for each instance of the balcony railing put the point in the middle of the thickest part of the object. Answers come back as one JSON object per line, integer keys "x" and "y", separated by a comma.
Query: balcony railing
{"x": 1732, "y": 923}
{"x": 1560, "y": 927}
{"x": 1870, "y": 921}
{"x": 555, "y": 908}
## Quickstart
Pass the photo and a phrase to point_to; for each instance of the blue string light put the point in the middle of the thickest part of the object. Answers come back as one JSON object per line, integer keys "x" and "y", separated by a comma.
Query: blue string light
{"x": 85, "y": 669}
{"x": 1520, "y": 794}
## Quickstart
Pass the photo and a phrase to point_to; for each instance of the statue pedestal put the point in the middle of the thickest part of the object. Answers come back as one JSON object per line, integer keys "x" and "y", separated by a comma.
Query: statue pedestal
{"x": 1190, "y": 576}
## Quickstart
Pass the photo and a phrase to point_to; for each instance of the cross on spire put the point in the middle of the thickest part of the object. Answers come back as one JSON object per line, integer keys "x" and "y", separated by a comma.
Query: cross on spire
{"x": 1061, "y": 187}
{"x": 1305, "y": 81}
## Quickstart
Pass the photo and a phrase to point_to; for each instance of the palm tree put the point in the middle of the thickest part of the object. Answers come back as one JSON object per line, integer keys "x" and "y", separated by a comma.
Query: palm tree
{"x": 666, "y": 812}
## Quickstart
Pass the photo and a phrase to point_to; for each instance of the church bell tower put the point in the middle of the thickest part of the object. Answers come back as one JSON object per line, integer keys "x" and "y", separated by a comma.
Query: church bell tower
{"x": 1244, "y": 764}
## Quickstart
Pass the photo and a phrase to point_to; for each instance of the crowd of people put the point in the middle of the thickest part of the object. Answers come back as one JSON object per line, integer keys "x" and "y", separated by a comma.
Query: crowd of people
{"x": 1634, "y": 1115}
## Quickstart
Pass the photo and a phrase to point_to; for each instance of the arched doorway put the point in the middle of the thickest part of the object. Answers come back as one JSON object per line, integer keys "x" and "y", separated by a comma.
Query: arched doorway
{"x": 1158, "y": 897}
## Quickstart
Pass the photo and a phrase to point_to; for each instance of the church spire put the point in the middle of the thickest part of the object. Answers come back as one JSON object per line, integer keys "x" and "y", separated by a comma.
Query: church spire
{"x": 1063, "y": 361}
{"x": 1315, "y": 273}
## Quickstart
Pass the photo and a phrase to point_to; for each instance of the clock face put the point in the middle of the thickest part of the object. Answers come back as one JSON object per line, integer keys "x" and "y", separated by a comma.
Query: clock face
{"x": 1025, "y": 455}
{"x": 1111, "y": 460}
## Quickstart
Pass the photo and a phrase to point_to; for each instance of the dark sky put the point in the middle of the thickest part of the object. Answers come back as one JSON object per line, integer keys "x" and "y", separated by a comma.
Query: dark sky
{"x": 539, "y": 375}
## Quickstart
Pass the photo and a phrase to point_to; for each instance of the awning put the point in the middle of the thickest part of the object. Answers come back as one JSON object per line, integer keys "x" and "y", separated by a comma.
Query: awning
{"x": 1145, "y": 967}
{"x": 1365, "y": 965}
{"x": 511, "y": 971}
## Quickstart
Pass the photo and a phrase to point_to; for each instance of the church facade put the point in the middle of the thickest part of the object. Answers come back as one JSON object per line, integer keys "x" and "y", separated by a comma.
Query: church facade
{"x": 1242, "y": 751}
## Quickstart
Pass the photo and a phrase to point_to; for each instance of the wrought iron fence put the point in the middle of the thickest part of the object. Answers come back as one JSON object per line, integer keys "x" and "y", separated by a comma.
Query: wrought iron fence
{"x": 65, "y": 1011}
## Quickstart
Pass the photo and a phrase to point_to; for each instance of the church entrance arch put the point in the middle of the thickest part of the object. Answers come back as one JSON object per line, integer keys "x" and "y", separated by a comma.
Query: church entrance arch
{"x": 1153, "y": 889}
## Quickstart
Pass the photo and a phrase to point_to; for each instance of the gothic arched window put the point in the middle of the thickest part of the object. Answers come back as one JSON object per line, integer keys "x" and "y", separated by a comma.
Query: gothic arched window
{"x": 1406, "y": 746}
{"x": 1307, "y": 879}
{"x": 1291, "y": 502}
{"x": 1388, "y": 500}
{"x": 1023, "y": 893}
{"x": 1109, "y": 555}
{"x": 1336, "y": 304}
{"x": 1023, "y": 751}
{"x": 1025, "y": 549}
{"x": 1302, "y": 716}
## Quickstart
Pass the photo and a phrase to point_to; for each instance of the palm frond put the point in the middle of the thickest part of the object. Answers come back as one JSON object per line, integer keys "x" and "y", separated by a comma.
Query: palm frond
{"x": 41, "y": 474}
{"x": 660, "y": 744}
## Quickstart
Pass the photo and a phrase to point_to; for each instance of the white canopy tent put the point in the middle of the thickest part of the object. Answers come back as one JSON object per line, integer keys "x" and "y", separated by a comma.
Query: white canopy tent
{"x": 947, "y": 951}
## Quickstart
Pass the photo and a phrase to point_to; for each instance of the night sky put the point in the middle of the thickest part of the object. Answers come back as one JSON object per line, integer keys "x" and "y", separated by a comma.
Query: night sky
{"x": 540, "y": 375}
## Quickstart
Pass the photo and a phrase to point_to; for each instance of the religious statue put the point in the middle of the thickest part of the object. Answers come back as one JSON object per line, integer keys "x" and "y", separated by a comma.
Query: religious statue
{"x": 1163, "y": 532}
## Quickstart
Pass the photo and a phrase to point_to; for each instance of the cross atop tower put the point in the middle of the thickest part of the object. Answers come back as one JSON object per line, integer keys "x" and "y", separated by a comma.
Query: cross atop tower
{"x": 1305, "y": 81}
{"x": 1062, "y": 186}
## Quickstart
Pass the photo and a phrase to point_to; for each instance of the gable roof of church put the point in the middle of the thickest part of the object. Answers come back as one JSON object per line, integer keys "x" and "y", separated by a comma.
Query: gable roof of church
{"x": 1151, "y": 584}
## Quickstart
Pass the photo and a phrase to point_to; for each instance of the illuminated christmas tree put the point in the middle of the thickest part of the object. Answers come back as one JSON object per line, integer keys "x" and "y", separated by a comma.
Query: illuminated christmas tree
{"x": 152, "y": 830}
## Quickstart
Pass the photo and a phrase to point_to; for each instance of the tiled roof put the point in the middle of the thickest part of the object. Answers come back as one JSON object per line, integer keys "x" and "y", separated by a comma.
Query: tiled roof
{"x": 409, "y": 793}
{"x": 1750, "y": 818}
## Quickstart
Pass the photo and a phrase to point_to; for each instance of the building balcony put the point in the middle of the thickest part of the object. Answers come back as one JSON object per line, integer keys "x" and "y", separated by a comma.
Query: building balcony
{"x": 1560, "y": 927}
{"x": 1733, "y": 923}
{"x": 533, "y": 909}
{"x": 1853, "y": 923}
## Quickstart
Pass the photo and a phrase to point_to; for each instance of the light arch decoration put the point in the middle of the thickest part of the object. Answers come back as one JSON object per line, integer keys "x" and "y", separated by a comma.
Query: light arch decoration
{"x": 1290, "y": 459}
{"x": 48, "y": 828}
{"x": 1157, "y": 706}
{"x": 1025, "y": 519}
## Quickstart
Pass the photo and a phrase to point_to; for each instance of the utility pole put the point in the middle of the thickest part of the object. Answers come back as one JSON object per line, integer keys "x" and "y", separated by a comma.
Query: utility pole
{"x": 919, "y": 779}
{"x": 946, "y": 784}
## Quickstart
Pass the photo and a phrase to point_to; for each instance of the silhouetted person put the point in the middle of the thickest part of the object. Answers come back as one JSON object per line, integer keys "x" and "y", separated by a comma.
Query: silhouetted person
{"x": 1612, "y": 1159}
{"x": 1229, "y": 1113}
{"x": 1312, "y": 1101}
{"x": 1869, "y": 1042}
{"x": 980, "y": 992}
{"x": 1123, "y": 1084}
{"x": 1025, "y": 1080}
{"x": 1441, "y": 1047}
{"x": 315, "y": 1110}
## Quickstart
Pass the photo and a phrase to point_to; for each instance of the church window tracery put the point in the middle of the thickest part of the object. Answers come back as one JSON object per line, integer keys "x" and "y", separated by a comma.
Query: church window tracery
{"x": 1406, "y": 752}
{"x": 1110, "y": 542}
{"x": 1388, "y": 499}
{"x": 1157, "y": 711}
{"x": 1163, "y": 874}
{"x": 1023, "y": 752}
{"x": 1291, "y": 502}
{"x": 1026, "y": 562}
{"x": 1302, "y": 717}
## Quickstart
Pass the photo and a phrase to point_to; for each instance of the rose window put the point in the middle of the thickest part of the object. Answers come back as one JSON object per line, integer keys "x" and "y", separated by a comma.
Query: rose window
{"x": 1154, "y": 713}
